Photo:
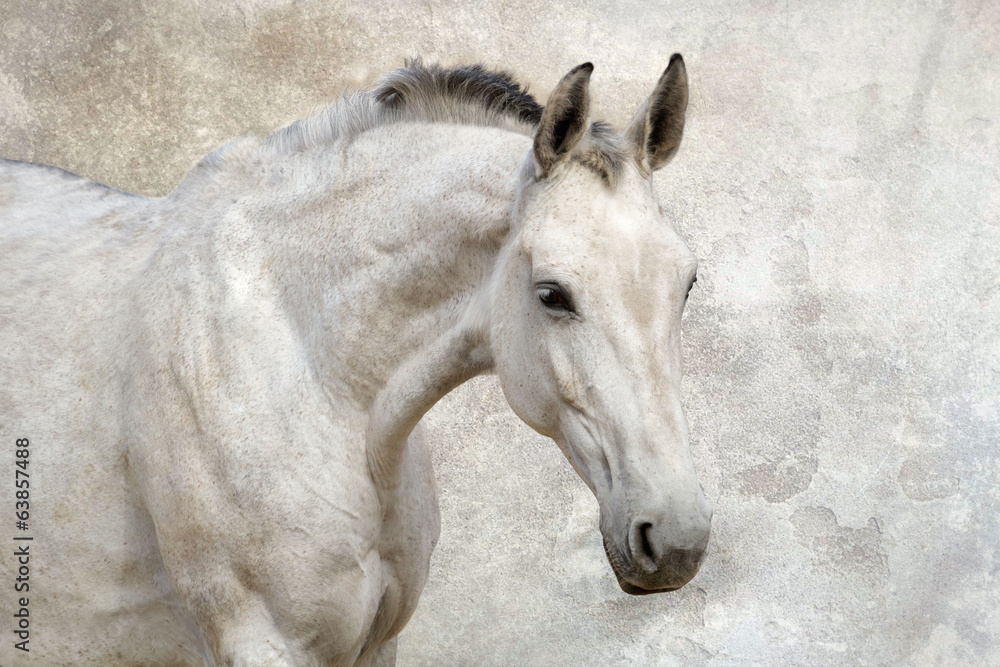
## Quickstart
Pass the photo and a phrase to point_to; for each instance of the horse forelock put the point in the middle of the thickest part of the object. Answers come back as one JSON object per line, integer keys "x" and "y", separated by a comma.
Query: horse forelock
{"x": 470, "y": 94}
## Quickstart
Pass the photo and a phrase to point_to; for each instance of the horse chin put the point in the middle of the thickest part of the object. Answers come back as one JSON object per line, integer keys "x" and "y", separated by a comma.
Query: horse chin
{"x": 632, "y": 589}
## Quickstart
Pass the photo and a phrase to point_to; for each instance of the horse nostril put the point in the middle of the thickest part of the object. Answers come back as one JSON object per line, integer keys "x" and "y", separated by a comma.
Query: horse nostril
{"x": 647, "y": 548}
{"x": 640, "y": 542}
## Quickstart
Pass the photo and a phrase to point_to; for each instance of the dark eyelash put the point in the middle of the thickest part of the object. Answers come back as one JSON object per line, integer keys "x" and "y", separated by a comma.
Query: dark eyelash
{"x": 693, "y": 281}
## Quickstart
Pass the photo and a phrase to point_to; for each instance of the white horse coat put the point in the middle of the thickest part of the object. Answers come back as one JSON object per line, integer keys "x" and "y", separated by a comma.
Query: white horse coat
{"x": 220, "y": 386}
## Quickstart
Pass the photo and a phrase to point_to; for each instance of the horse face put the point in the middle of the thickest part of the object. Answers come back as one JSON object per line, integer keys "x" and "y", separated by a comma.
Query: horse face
{"x": 586, "y": 340}
{"x": 587, "y": 347}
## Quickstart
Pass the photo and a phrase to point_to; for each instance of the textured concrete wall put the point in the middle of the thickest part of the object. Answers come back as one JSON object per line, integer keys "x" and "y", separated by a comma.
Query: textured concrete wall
{"x": 838, "y": 180}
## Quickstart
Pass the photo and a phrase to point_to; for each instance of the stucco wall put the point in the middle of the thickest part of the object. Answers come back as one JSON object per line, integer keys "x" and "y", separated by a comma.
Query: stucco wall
{"x": 839, "y": 181}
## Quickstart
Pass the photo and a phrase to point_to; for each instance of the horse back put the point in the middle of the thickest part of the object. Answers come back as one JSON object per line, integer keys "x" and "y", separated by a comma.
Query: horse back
{"x": 35, "y": 198}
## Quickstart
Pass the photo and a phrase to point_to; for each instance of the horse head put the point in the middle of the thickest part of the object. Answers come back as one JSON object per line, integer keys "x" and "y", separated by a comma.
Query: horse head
{"x": 587, "y": 301}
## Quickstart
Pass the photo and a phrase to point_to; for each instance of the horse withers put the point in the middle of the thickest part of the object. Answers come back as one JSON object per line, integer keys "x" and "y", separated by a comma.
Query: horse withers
{"x": 222, "y": 387}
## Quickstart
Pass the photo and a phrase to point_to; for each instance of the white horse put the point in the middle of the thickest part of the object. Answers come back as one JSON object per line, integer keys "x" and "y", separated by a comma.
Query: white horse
{"x": 220, "y": 387}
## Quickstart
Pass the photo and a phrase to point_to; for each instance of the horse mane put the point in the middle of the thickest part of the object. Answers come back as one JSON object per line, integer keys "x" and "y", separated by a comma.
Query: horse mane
{"x": 437, "y": 91}
{"x": 468, "y": 95}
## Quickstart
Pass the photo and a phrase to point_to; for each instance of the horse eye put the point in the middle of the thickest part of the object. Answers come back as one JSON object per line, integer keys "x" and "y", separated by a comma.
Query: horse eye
{"x": 553, "y": 298}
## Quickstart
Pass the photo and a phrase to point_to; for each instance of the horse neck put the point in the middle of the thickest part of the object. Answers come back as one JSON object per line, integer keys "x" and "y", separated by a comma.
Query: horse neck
{"x": 382, "y": 250}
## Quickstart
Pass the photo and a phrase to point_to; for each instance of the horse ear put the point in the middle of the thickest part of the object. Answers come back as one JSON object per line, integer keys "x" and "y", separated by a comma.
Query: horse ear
{"x": 565, "y": 119}
{"x": 655, "y": 130}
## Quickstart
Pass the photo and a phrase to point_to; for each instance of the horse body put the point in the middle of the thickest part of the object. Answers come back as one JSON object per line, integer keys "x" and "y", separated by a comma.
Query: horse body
{"x": 222, "y": 386}
{"x": 179, "y": 303}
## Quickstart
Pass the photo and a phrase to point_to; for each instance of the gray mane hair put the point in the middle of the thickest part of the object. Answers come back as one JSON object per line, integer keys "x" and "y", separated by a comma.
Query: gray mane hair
{"x": 469, "y": 95}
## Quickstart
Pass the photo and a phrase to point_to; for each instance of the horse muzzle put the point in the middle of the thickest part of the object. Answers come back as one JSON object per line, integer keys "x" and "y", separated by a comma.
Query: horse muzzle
{"x": 658, "y": 558}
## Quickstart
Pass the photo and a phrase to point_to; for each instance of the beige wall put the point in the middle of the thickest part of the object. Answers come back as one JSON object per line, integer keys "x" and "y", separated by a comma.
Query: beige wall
{"x": 838, "y": 180}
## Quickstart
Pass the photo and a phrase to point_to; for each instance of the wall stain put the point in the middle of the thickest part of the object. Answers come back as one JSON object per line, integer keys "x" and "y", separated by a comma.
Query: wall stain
{"x": 928, "y": 478}
{"x": 778, "y": 481}
{"x": 854, "y": 554}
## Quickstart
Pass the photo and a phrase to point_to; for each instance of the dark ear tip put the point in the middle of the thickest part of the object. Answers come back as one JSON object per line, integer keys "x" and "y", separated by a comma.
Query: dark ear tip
{"x": 585, "y": 67}
{"x": 675, "y": 69}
